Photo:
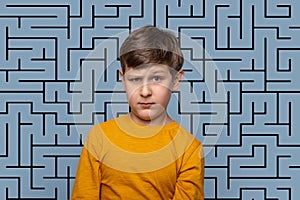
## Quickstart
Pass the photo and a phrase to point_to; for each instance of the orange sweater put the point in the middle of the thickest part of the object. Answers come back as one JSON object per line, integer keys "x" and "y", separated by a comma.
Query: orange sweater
{"x": 124, "y": 160}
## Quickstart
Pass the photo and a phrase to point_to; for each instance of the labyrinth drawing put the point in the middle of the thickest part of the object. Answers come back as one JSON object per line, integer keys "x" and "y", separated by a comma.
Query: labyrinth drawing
{"x": 59, "y": 76}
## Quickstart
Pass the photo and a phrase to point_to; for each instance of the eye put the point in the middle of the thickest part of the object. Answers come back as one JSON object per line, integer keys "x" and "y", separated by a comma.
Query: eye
{"x": 156, "y": 78}
{"x": 135, "y": 80}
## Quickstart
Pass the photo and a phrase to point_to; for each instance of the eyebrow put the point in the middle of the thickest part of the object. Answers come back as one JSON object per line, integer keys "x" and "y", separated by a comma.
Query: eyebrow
{"x": 136, "y": 73}
{"x": 159, "y": 71}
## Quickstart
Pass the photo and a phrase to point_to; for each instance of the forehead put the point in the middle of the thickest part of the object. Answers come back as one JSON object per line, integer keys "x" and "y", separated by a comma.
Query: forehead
{"x": 149, "y": 69}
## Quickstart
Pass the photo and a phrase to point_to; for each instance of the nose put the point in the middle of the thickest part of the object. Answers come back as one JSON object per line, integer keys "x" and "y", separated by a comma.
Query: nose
{"x": 145, "y": 90}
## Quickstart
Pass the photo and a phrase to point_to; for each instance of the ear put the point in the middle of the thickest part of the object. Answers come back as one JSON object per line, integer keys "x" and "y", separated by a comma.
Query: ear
{"x": 177, "y": 79}
{"x": 121, "y": 75}
{"x": 122, "y": 78}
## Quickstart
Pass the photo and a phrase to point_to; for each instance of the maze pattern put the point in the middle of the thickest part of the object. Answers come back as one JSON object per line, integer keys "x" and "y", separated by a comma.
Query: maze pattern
{"x": 53, "y": 89}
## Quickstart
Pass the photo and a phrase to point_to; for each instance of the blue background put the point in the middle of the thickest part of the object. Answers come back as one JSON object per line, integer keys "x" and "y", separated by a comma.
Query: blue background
{"x": 53, "y": 88}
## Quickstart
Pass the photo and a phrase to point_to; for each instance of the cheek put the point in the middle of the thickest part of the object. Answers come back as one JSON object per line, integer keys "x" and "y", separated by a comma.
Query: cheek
{"x": 163, "y": 95}
{"x": 131, "y": 94}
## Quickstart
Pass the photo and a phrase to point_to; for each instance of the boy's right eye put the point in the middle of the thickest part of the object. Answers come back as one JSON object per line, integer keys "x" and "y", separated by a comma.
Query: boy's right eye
{"x": 135, "y": 80}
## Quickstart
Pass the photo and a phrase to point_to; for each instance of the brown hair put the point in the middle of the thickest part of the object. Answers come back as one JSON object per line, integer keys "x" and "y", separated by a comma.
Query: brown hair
{"x": 150, "y": 45}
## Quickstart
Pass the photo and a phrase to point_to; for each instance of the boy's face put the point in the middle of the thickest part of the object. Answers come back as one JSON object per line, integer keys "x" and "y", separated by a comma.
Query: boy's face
{"x": 148, "y": 91}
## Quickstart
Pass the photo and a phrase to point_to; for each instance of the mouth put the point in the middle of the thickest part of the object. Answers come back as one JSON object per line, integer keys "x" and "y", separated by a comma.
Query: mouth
{"x": 146, "y": 104}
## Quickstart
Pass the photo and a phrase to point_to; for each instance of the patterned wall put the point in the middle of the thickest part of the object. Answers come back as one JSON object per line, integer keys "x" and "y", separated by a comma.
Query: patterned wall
{"x": 59, "y": 76}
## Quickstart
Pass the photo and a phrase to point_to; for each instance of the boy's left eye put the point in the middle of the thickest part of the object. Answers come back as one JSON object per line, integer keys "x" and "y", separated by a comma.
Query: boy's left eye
{"x": 156, "y": 78}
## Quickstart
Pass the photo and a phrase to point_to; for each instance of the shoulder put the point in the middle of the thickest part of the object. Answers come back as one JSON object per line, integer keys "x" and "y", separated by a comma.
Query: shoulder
{"x": 194, "y": 146}
{"x": 188, "y": 134}
{"x": 98, "y": 129}
{"x": 192, "y": 142}
{"x": 96, "y": 138}
{"x": 183, "y": 138}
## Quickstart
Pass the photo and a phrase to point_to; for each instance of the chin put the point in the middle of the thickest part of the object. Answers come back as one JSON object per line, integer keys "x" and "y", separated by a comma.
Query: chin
{"x": 149, "y": 117}
{"x": 147, "y": 114}
{"x": 144, "y": 117}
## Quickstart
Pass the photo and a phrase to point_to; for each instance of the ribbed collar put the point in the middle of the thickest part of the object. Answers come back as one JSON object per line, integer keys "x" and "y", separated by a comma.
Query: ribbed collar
{"x": 134, "y": 129}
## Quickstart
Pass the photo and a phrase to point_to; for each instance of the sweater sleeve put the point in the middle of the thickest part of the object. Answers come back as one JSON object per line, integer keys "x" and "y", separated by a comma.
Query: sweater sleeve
{"x": 190, "y": 180}
{"x": 88, "y": 175}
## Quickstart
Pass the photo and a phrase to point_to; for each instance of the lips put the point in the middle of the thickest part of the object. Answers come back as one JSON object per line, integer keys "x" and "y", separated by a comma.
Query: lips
{"x": 145, "y": 104}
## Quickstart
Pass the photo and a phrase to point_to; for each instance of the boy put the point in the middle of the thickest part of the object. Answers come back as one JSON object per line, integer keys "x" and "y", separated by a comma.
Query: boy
{"x": 144, "y": 154}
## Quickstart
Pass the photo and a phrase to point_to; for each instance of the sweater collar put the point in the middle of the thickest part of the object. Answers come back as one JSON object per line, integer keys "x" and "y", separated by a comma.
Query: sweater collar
{"x": 127, "y": 125}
